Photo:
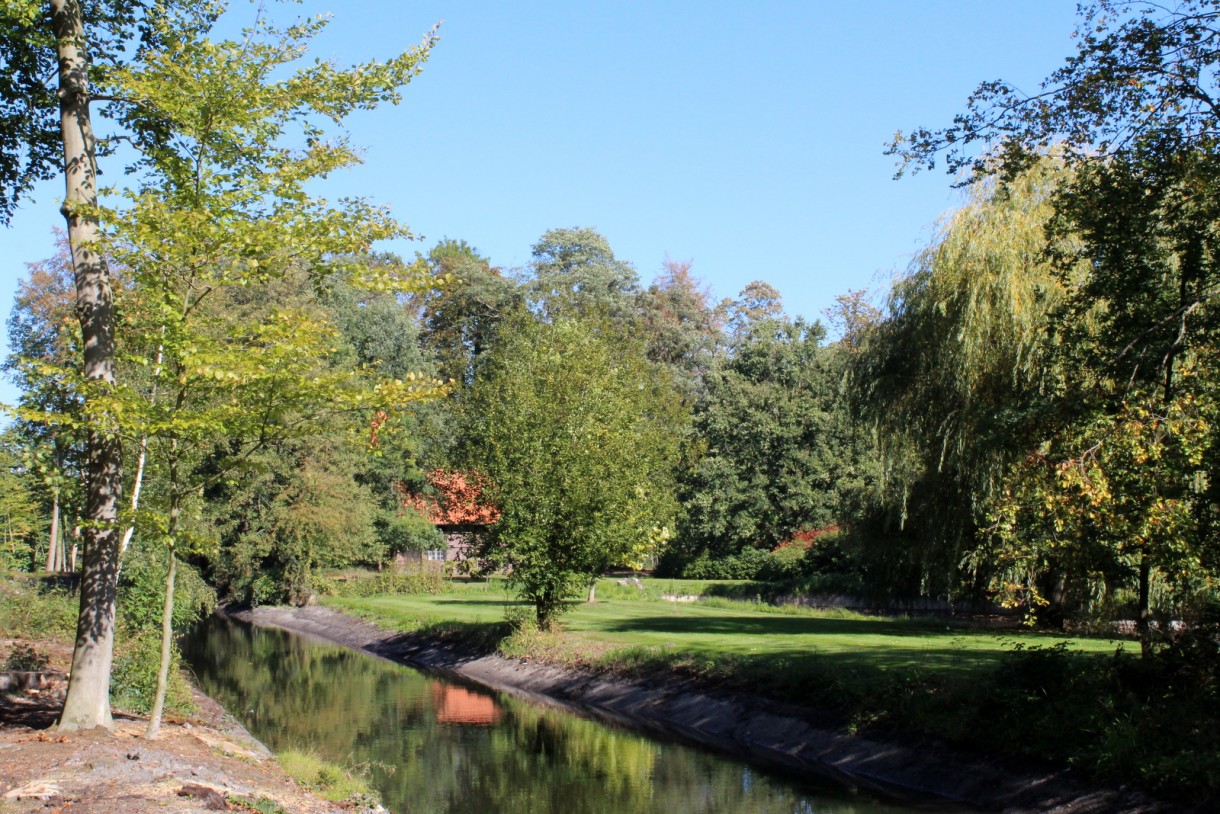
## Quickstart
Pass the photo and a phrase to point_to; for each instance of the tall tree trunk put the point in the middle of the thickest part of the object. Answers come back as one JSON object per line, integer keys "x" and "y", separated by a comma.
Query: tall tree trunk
{"x": 167, "y": 607}
{"x": 53, "y": 538}
{"x": 138, "y": 481}
{"x": 61, "y": 548}
{"x": 592, "y": 591}
{"x": 167, "y": 642}
{"x": 87, "y": 703}
{"x": 1143, "y": 623}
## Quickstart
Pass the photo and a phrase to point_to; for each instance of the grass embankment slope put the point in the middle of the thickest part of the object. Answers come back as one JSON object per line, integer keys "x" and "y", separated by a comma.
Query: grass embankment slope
{"x": 1090, "y": 703}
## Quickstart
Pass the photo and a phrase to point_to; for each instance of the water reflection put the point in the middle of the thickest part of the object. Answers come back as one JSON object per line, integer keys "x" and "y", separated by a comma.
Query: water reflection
{"x": 435, "y": 746}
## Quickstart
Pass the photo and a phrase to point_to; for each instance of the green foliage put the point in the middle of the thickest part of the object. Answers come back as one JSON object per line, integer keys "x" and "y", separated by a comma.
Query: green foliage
{"x": 138, "y": 643}
{"x": 24, "y": 657}
{"x": 411, "y": 531}
{"x": 141, "y": 591}
{"x": 460, "y": 314}
{"x": 36, "y": 608}
{"x": 297, "y": 508}
{"x": 749, "y": 564}
{"x": 756, "y": 304}
{"x": 21, "y": 518}
{"x": 1141, "y": 73}
{"x": 681, "y": 328}
{"x": 785, "y": 565}
{"x": 1149, "y": 721}
{"x": 133, "y": 677}
{"x": 957, "y": 382}
{"x": 1112, "y": 490}
{"x": 1118, "y": 494}
{"x": 779, "y": 452}
{"x": 31, "y": 146}
{"x": 573, "y": 426}
{"x": 575, "y": 274}
{"x": 355, "y": 584}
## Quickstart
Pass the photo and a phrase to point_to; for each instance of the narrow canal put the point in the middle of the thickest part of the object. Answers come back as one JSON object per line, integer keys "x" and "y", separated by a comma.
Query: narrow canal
{"x": 432, "y": 746}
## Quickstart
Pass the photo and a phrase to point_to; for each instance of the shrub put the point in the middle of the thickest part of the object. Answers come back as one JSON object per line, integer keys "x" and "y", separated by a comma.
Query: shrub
{"x": 423, "y": 581}
{"x": 23, "y": 657}
{"x": 138, "y": 636}
{"x": 133, "y": 680}
{"x": 783, "y": 564}
{"x": 36, "y": 609}
{"x": 745, "y": 565}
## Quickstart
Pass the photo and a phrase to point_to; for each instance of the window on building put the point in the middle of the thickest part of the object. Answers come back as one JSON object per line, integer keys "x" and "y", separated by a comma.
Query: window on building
{"x": 435, "y": 554}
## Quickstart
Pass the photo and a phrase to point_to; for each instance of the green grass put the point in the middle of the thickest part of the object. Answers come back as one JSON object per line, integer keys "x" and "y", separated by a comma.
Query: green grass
{"x": 328, "y": 780}
{"x": 784, "y": 645}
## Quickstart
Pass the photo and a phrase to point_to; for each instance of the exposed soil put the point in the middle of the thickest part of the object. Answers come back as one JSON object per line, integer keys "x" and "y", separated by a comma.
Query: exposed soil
{"x": 205, "y": 763}
{"x": 786, "y": 736}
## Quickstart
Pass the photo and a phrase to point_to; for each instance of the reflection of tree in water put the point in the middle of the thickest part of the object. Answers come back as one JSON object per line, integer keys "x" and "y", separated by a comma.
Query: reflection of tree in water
{"x": 358, "y": 710}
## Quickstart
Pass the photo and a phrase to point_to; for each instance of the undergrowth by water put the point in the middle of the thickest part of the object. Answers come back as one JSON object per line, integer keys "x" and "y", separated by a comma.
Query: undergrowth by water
{"x": 329, "y": 780}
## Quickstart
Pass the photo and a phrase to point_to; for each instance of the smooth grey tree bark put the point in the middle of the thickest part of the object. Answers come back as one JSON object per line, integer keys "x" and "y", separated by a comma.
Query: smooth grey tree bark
{"x": 53, "y": 537}
{"x": 87, "y": 704}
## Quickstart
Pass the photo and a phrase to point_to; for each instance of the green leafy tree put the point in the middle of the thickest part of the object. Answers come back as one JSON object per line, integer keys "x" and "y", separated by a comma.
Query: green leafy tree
{"x": 220, "y": 207}
{"x": 381, "y": 334}
{"x": 296, "y": 507}
{"x": 778, "y": 450}
{"x": 21, "y": 517}
{"x": 683, "y": 331}
{"x": 756, "y": 304}
{"x": 39, "y": 128}
{"x": 1133, "y": 112}
{"x": 572, "y": 425}
{"x": 41, "y": 335}
{"x": 1143, "y": 74}
{"x": 1139, "y": 341}
{"x": 227, "y": 367}
{"x": 460, "y": 315}
{"x": 574, "y": 271}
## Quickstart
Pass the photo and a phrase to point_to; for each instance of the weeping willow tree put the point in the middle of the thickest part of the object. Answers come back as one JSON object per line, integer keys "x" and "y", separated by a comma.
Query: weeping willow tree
{"x": 955, "y": 381}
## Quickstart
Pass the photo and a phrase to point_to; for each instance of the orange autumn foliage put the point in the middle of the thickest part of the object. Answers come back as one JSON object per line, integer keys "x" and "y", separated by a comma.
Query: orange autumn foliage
{"x": 458, "y": 500}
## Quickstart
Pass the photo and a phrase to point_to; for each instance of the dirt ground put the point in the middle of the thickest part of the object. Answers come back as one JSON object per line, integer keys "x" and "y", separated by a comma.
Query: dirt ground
{"x": 205, "y": 763}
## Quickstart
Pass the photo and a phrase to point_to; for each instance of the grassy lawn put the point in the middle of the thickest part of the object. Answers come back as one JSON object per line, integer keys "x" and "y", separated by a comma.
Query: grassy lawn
{"x": 630, "y": 626}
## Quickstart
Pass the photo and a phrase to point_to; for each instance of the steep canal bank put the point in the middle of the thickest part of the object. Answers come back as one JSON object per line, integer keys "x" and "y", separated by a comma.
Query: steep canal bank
{"x": 783, "y": 736}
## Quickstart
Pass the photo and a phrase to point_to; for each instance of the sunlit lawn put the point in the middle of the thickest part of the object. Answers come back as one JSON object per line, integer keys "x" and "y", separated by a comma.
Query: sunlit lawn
{"x": 794, "y": 640}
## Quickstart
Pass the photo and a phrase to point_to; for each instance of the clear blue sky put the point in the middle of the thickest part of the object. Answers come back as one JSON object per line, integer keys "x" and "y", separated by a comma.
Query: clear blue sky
{"x": 744, "y": 137}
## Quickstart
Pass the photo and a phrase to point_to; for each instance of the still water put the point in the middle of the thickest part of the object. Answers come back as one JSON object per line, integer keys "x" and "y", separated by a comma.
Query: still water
{"x": 433, "y": 746}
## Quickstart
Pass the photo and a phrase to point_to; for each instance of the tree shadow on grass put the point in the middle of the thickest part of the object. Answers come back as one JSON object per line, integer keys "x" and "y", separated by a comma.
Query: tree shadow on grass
{"x": 766, "y": 625}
